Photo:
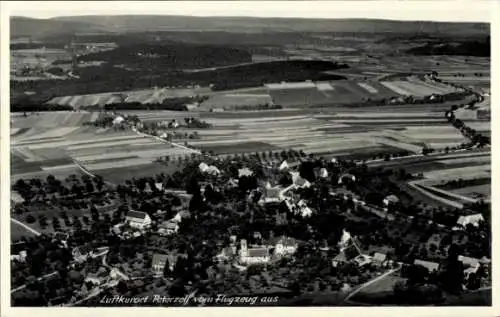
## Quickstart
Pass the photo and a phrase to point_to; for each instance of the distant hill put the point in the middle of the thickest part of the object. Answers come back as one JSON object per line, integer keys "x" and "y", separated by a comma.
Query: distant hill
{"x": 153, "y": 23}
{"x": 141, "y": 23}
{"x": 40, "y": 28}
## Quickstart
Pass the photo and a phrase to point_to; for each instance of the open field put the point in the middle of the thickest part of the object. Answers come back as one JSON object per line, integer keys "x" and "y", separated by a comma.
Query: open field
{"x": 17, "y": 232}
{"x": 234, "y": 101}
{"x": 474, "y": 191}
{"x": 40, "y": 150}
{"x": 141, "y": 96}
{"x": 118, "y": 175}
{"x": 332, "y": 131}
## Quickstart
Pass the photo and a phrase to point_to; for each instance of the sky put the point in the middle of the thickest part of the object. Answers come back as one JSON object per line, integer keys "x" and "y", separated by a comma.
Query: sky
{"x": 421, "y": 10}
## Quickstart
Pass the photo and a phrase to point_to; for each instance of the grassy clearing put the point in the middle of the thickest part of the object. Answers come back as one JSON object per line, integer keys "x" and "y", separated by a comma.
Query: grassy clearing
{"x": 120, "y": 175}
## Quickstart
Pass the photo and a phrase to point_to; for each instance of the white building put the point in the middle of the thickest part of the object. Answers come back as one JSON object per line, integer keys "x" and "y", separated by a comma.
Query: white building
{"x": 258, "y": 255}
{"x": 285, "y": 246}
{"x": 138, "y": 220}
{"x": 283, "y": 166}
{"x": 474, "y": 220}
{"x": 118, "y": 120}
{"x": 391, "y": 199}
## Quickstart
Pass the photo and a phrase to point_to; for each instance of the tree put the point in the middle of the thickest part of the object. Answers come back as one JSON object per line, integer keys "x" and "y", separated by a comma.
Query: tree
{"x": 30, "y": 219}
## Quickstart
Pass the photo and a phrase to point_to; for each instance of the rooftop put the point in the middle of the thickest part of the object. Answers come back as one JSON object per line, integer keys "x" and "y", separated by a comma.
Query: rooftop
{"x": 136, "y": 214}
{"x": 431, "y": 266}
{"x": 159, "y": 259}
{"x": 258, "y": 252}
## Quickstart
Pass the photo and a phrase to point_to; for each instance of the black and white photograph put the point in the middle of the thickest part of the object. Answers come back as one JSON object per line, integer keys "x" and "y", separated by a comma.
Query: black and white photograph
{"x": 247, "y": 154}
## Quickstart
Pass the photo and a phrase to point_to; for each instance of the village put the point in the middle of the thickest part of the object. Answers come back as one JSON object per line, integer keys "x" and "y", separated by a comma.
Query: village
{"x": 243, "y": 225}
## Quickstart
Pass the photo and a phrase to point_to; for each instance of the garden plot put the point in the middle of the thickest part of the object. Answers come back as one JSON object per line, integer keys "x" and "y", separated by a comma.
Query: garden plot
{"x": 118, "y": 175}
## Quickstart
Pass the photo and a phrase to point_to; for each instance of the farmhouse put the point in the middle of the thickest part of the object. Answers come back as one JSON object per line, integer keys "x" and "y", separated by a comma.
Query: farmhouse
{"x": 158, "y": 263}
{"x": 138, "y": 220}
{"x": 474, "y": 220}
{"x": 257, "y": 255}
{"x": 431, "y": 266}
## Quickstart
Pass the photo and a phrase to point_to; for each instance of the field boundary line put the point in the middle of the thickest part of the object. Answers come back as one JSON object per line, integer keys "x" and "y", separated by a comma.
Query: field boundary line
{"x": 370, "y": 283}
{"x": 26, "y": 227}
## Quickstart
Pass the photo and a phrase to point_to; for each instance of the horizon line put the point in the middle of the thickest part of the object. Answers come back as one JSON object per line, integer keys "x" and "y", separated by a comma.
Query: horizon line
{"x": 247, "y": 17}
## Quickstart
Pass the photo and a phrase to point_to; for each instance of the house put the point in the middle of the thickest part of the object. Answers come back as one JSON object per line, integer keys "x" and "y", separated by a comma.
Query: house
{"x": 390, "y": 200}
{"x": 272, "y": 195}
{"x": 158, "y": 263}
{"x": 256, "y": 255}
{"x": 474, "y": 220}
{"x": 469, "y": 262}
{"x": 345, "y": 178}
{"x": 148, "y": 189}
{"x": 431, "y": 266}
{"x": 284, "y": 246}
{"x": 81, "y": 253}
{"x": 137, "y": 219}
{"x": 209, "y": 169}
{"x": 345, "y": 239}
{"x": 16, "y": 198}
{"x": 245, "y": 172}
{"x": 347, "y": 254}
{"x": 257, "y": 235}
{"x": 322, "y": 173}
{"x": 379, "y": 258}
{"x": 118, "y": 120}
{"x": 283, "y": 165}
{"x": 168, "y": 227}
{"x": 21, "y": 257}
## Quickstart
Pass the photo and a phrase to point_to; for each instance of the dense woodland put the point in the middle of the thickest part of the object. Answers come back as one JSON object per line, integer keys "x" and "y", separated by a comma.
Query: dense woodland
{"x": 480, "y": 48}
